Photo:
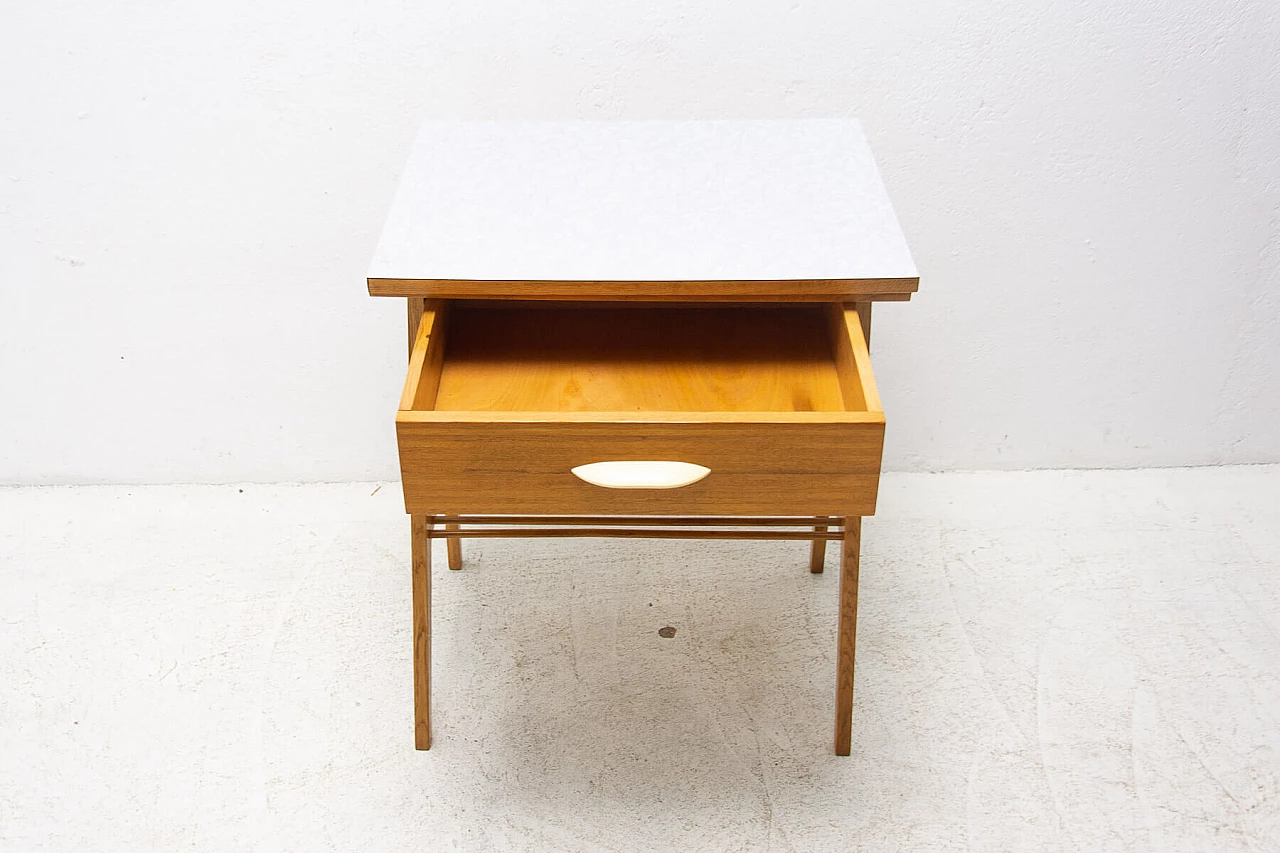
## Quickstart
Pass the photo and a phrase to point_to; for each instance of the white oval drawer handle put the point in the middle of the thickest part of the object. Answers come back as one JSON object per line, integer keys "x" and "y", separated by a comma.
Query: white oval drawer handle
{"x": 641, "y": 475}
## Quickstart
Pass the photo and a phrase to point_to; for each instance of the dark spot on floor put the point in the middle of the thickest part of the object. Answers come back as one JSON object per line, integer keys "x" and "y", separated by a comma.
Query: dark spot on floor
{"x": 666, "y": 633}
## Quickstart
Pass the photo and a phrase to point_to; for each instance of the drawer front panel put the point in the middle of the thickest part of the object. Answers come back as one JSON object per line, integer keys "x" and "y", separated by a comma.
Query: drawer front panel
{"x": 522, "y": 467}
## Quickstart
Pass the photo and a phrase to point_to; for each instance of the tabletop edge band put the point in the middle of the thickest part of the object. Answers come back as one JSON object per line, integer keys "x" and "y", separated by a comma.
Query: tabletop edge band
{"x": 764, "y": 290}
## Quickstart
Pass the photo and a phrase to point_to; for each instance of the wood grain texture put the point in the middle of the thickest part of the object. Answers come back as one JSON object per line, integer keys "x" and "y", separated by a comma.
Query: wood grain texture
{"x": 864, "y": 314}
{"x": 414, "y": 305}
{"x": 638, "y": 419}
{"x": 760, "y": 395}
{"x": 862, "y": 358}
{"x": 418, "y": 346}
{"x": 524, "y": 468}
{"x": 628, "y": 533}
{"x": 530, "y": 304}
{"x": 847, "y": 633}
{"x": 753, "y": 359}
{"x": 635, "y": 520}
{"x": 420, "y": 547}
{"x": 818, "y": 551}
{"x": 420, "y": 563}
{"x": 853, "y": 358}
{"x": 790, "y": 290}
{"x": 425, "y": 361}
{"x": 455, "y": 549}
{"x": 840, "y": 327}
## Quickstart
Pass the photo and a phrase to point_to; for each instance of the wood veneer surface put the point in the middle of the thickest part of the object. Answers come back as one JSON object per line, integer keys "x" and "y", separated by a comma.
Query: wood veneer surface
{"x": 733, "y": 359}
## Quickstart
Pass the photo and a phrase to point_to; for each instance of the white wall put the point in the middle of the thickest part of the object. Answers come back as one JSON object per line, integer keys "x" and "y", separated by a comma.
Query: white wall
{"x": 190, "y": 192}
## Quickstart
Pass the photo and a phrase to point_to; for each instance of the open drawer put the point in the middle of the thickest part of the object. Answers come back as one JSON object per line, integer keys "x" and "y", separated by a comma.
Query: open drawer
{"x": 774, "y": 403}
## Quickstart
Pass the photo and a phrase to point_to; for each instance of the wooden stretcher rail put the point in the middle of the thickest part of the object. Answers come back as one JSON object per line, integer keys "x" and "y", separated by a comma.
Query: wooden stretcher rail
{"x": 632, "y": 533}
{"x": 636, "y": 520}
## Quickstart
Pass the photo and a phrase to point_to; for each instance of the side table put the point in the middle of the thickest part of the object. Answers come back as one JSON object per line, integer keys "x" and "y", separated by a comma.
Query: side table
{"x": 641, "y": 329}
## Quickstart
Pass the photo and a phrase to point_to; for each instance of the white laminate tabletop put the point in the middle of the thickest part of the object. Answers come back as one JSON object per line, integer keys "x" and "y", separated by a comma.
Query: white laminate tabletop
{"x": 642, "y": 201}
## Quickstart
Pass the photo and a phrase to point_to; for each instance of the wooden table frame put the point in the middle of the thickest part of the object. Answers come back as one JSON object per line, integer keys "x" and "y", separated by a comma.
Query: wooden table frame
{"x": 816, "y": 529}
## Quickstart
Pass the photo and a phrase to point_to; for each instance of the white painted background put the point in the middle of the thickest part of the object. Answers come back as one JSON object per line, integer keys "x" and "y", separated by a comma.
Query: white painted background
{"x": 190, "y": 193}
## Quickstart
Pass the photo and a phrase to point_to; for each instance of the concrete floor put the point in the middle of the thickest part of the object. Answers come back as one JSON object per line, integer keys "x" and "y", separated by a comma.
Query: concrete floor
{"x": 1046, "y": 662}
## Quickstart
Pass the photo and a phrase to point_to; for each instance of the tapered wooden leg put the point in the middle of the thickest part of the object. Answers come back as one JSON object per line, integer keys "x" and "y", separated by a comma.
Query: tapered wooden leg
{"x": 846, "y": 633}
{"x": 421, "y": 547}
{"x": 455, "y": 549}
{"x": 818, "y": 551}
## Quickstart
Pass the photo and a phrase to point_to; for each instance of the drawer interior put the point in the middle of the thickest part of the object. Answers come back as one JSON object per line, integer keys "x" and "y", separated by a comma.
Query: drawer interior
{"x": 563, "y": 358}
